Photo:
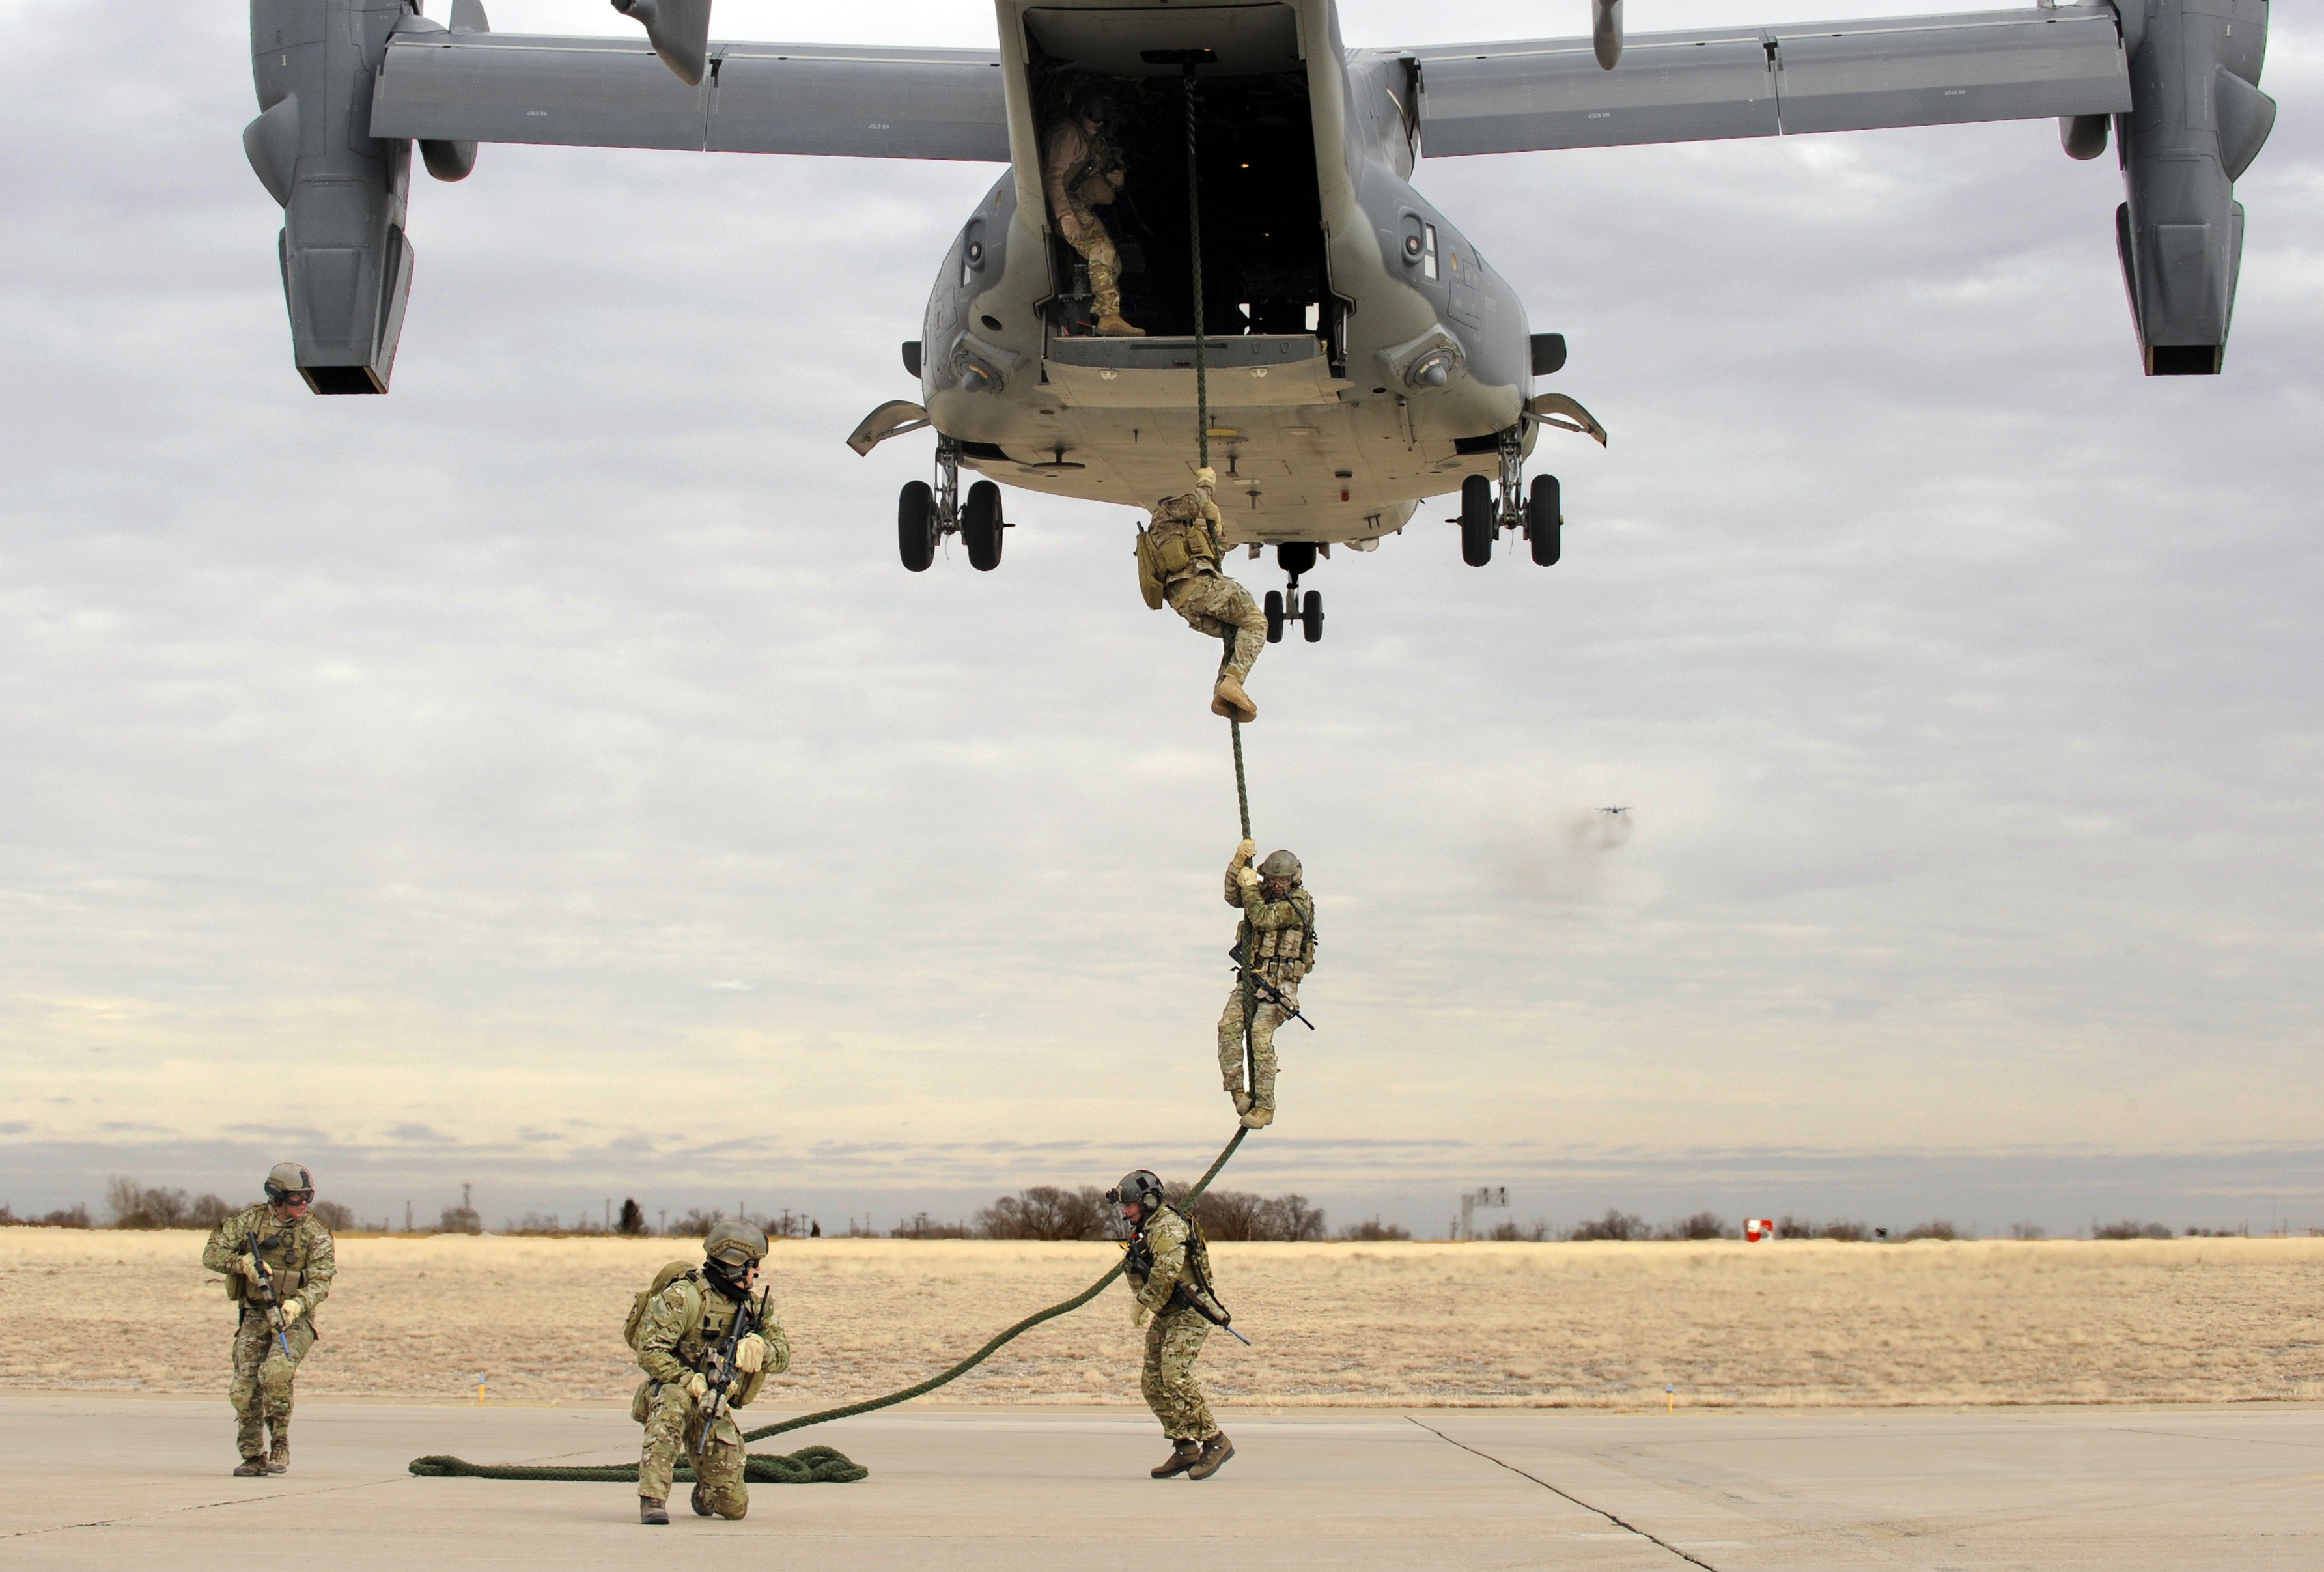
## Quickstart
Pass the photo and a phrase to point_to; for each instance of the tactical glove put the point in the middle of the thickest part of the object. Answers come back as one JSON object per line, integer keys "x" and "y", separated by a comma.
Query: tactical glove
{"x": 1247, "y": 876}
{"x": 696, "y": 1386}
{"x": 292, "y": 1308}
{"x": 249, "y": 1268}
{"x": 751, "y": 1354}
{"x": 1245, "y": 852}
{"x": 1137, "y": 1314}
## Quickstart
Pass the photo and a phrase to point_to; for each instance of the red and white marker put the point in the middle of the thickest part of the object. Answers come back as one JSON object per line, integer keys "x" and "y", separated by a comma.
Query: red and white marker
{"x": 1758, "y": 1228}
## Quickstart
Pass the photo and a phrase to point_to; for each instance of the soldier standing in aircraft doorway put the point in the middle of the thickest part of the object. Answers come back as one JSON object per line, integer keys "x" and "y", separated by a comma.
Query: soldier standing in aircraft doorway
{"x": 1082, "y": 171}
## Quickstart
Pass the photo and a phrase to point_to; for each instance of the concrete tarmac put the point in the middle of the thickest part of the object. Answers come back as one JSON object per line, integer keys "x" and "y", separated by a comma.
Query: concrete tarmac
{"x": 111, "y": 1483}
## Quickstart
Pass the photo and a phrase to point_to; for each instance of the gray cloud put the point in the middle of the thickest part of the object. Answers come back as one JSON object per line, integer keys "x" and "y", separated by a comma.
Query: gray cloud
{"x": 428, "y": 763}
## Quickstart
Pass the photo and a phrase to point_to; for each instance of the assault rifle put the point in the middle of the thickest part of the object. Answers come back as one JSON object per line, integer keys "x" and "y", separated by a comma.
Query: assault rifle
{"x": 1267, "y": 989}
{"x": 267, "y": 1296}
{"x": 721, "y": 1372}
{"x": 1196, "y": 1295}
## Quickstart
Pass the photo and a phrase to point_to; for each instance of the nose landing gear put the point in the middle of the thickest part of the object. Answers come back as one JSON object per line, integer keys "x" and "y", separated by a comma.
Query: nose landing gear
{"x": 1287, "y": 604}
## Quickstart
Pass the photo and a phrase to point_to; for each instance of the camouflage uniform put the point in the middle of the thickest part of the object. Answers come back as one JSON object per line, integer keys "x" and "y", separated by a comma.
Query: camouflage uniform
{"x": 683, "y": 1325}
{"x": 1183, "y": 547}
{"x": 1174, "y": 1337}
{"x": 1278, "y": 939}
{"x": 300, "y": 1257}
{"x": 1082, "y": 171}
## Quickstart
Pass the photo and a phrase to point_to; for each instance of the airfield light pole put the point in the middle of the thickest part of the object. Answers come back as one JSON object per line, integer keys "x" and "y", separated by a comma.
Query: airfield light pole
{"x": 1487, "y": 1196}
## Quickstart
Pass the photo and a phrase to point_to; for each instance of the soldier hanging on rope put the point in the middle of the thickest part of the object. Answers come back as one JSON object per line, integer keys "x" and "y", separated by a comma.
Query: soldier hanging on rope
{"x": 1168, "y": 1270}
{"x": 1082, "y": 171}
{"x": 1277, "y": 942}
{"x": 1178, "y": 557}
{"x": 706, "y": 1347}
{"x": 278, "y": 1263}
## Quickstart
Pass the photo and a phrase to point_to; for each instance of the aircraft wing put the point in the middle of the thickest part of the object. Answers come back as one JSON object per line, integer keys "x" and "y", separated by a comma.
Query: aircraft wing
{"x": 437, "y": 86}
{"x": 1773, "y": 81}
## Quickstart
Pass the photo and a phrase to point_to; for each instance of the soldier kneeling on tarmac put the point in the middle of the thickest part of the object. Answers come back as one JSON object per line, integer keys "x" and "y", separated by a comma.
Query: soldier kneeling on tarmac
{"x": 682, "y": 1327}
{"x": 278, "y": 1263}
{"x": 1168, "y": 1269}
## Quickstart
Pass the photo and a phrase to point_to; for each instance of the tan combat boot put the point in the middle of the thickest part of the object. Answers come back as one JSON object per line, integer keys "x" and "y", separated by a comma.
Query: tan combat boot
{"x": 1227, "y": 699}
{"x": 1184, "y": 1455}
{"x": 1113, "y": 327}
{"x": 1240, "y": 1097}
{"x": 701, "y": 1507}
{"x": 251, "y": 1468}
{"x": 1215, "y": 1453}
{"x": 1258, "y": 1118}
{"x": 278, "y": 1456}
{"x": 653, "y": 1510}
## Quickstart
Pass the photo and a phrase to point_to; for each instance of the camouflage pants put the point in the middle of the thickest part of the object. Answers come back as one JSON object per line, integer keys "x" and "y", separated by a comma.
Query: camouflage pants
{"x": 1089, "y": 238}
{"x": 673, "y": 1424}
{"x": 1173, "y": 1341}
{"x": 262, "y": 1378}
{"x": 1214, "y": 604}
{"x": 1263, "y": 1022}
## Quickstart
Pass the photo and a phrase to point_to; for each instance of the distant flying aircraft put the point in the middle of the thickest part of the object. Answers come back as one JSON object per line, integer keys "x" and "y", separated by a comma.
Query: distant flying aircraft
{"x": 1360, "y": 355}
{"x": 1614, "y": 811}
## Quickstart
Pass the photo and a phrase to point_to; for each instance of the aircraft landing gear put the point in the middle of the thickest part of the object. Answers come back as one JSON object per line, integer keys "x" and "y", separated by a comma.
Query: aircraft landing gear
{"x": 1539, "y": 516}
{"x": 1284, "y": 605}
{"x": 925, "y": 514}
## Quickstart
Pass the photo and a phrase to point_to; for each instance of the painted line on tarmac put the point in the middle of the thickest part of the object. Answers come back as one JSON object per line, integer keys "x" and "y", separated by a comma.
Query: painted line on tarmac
{"x": 1576, "y": 1499}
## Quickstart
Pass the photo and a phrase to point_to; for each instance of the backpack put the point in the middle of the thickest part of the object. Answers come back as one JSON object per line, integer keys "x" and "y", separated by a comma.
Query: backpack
{"x": 634, "y": 1328}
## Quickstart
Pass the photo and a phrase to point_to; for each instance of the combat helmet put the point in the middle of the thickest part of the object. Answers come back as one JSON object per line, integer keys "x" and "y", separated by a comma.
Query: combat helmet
{"x": 1140, "y": 1187}
{"x": 288, "y": 1183}
{"x": 736, "y": 1246}
{"x": 1280, "y": 864}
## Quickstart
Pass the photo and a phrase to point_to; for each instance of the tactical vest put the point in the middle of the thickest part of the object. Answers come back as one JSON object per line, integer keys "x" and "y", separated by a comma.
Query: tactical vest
{"x": 1282, "y": 955}
{"x": 1181, "y": 540}
{"x": 1087, "y": 179}
{"x": 286, "y": 1263}
{"x": 705, "y": 1329}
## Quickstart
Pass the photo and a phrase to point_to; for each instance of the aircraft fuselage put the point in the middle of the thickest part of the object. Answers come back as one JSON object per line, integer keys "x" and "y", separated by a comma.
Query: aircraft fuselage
{"x": 1361, "y": 356}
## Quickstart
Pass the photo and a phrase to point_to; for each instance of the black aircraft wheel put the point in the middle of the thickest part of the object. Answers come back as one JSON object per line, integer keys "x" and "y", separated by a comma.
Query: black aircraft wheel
{"x": 1274, "y": 616}
{"x": 1545, "y": 524}
{"x": 1477, "y": 530}
{"x": 916, "y": 526}
{"x": 1311, "y": 616}
{"x": 981, "y": 525}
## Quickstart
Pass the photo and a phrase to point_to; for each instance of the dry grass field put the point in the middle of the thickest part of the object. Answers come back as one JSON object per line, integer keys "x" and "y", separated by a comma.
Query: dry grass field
{"x": 1791, "y": 1324}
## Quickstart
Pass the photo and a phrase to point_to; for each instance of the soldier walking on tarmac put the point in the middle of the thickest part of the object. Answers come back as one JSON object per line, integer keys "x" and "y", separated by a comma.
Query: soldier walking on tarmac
{"x": 1178, "y": 557}
{"x": 1277, "y": 942}
{"x": 1168, "y": 1269}
{"x": 706, "y": 1347}
{"x": 278, "y": 1264}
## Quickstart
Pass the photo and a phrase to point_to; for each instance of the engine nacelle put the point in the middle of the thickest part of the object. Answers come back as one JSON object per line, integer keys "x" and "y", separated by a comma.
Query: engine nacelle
{"x": 2198, "y": 119}
{"x": 347, "y": 266}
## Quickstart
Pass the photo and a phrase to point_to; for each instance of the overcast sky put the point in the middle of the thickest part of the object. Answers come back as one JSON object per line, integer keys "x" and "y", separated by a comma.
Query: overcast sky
{"x": 546, "y": 776}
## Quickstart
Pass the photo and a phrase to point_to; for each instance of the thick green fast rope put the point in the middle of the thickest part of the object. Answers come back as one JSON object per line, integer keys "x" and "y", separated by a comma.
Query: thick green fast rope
{"x": 811, "y": 1465}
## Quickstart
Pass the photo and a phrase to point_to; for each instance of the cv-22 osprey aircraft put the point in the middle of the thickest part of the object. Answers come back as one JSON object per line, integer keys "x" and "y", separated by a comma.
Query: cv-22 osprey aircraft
{"x": 1360, "y": 355}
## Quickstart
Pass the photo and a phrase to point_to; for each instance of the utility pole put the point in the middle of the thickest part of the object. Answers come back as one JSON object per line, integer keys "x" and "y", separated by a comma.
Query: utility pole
{"x": 407, "y": 1217}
